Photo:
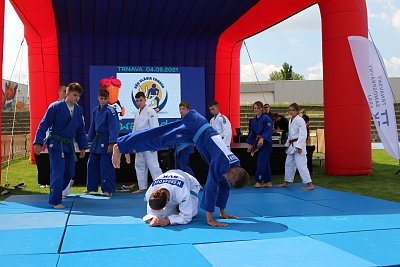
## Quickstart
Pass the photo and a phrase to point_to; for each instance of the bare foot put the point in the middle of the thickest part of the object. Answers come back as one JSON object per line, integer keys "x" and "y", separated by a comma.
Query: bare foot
{"x": 309, "y": 186}
{"x": 268, "y": 185}
{"x": 258, "y": 185}
{"x": 140, "y": 191}
{"x": 59, "y": 206}
{"x": 130, "y": 186}
{"x": 106, "y": 194}
{"x": 284, "y": 184}
{"x": 216, "y": 224}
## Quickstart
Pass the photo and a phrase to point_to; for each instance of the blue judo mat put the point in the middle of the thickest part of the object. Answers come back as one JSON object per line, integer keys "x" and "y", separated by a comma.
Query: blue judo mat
{"x": 339, "y": 228}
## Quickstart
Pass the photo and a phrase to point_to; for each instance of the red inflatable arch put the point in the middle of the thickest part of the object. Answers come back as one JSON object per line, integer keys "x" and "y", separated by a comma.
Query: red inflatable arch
{"x": 1, "y": 60}
{"x": 347, "y": 141}
{"x": 348, "y": 149}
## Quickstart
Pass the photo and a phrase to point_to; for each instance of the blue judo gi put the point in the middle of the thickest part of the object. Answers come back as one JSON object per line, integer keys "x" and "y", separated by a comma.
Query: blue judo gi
{"x": 104, "y": 129}
{"x": 262, "y": 127}
{"x": 63, "y": 129}
{"x": 182, "y": 157}
{"x": 191, "y": 128}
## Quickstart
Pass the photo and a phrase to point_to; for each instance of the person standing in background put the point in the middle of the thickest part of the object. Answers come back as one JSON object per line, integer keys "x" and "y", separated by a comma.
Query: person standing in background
{"x": 145, "y": 118}
{"x": 220, "y": 123}
{"x": 65, "y": 121}
{"x": 267, "y": 110}
{"x": 103, "y": 134}
{"x": 260, "y": 143}
{"x": 296, "y": 150}
{"x": 62, "y": 94}
{"x": 183, "y": 151}
{"x": 303, "y": 114}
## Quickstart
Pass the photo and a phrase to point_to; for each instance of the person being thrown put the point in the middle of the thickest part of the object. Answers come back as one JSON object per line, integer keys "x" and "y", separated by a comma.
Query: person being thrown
{"x": 172, "y": 199}
{"x": 224, "y": 166}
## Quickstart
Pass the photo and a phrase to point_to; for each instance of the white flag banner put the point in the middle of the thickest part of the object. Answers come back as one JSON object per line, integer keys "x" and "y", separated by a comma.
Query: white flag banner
{"x": 375, "y": 83}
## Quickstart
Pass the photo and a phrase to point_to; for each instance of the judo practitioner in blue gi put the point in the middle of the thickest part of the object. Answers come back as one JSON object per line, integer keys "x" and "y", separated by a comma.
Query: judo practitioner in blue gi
{"x": 223, "y": 164}
{"x": 64, "y": 119}
{"x": 260, "y": 140}
{"x": 103, "y": 134}
{"x": 183, "y": 151}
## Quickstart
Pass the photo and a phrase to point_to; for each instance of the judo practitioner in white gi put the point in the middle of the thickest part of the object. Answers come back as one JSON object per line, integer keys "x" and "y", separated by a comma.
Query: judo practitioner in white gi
{"x": 220, "y": 123}
{"x": 224, "y": 167}
{"x": 296, "y": 150}
{"x": 145, "y": 118}
{"x": 172, "y": 199}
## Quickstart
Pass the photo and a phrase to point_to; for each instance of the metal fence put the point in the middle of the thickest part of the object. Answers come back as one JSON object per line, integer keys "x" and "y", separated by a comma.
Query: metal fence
{"x": 18, "y": 145}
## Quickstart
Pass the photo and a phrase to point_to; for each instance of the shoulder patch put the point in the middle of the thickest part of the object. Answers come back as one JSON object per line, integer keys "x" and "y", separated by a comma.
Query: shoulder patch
{"x": 223, "y": 119}
{"x": 113, "y": 112}
{"x": 232, "y": 158}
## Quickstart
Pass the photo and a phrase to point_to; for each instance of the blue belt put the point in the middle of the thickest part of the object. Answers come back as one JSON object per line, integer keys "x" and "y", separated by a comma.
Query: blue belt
{"x": 182, "y": 147}
{"x": 194, "y": 194}
{"x": 200, "y": 131}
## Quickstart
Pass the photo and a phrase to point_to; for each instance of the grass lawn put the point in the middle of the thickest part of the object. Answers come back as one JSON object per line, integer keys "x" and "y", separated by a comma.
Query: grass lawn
{"x": 383, "y": 183}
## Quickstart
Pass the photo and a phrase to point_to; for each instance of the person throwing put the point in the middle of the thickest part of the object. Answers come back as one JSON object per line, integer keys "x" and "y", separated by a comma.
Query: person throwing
{"x": 224, "y": 167}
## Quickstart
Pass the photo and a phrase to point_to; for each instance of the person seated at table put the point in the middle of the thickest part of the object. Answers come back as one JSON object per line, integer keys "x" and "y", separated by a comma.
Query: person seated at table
{"x": 281, "y": 126}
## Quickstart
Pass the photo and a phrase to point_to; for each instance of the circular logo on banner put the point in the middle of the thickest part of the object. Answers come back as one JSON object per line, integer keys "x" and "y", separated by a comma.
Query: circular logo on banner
{"x": 153, "y": 89}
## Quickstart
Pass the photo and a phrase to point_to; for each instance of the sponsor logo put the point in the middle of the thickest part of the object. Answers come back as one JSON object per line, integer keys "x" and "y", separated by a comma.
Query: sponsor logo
{"x": 167, "y": 180}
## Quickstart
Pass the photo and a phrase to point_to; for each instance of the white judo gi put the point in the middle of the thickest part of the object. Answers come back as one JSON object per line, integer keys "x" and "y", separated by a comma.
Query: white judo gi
{"x": 148, "y": 160}
{"x": 297, "y": 130}
{"x": 222, "y": 125}
{"x": 183, "y": 191}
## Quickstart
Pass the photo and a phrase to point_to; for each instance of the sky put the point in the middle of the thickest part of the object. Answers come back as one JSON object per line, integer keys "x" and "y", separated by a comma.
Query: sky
{"x": 296, "y": 40}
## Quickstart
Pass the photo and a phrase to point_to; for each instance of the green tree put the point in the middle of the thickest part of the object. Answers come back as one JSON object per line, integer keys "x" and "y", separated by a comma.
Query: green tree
{"x": 286, "y": 73}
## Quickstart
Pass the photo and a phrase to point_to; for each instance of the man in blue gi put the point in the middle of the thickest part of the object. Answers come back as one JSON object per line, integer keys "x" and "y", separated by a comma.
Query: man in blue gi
{"x": 223, "y": 164}
{"x": 103, "y": 134}
{"x": 64, "y": 119}
{"x": 183, "y": 151}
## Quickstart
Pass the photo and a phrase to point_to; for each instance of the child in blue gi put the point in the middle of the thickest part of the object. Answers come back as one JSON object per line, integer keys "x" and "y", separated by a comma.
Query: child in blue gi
{"x": 103, "y": 134}
{"x": 260, "y": 140}
{"x": 183, "y": 151}
{"x": 64, "y": 119}
{"x": 223, "y": 164}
